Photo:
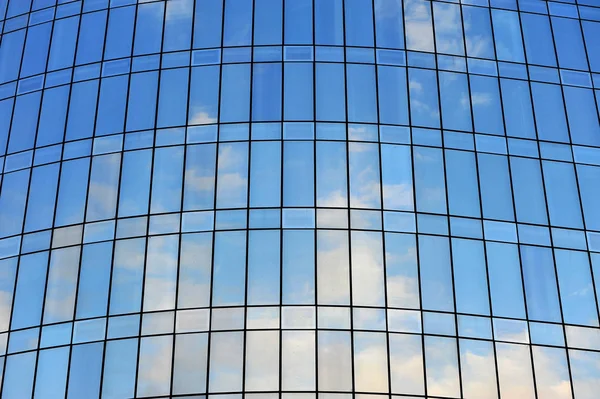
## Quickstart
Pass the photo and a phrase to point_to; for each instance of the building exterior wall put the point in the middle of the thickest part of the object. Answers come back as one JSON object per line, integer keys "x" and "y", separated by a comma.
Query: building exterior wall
{"x": 292, "y": 198}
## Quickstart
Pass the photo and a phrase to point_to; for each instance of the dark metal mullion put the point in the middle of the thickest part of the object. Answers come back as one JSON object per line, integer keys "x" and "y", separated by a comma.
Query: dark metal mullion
{"x": 414, "y": 197}
{"x": 147, "y": 237}
{"x": 216, "y": 173}
{"x": 119, "y": 185}
{"x": 350, "y": 265}
{"x": 518, "y": 245}
{"x": 249, "y": 164}
{"x": 281, "y": 230}
{"x": 451, "y": 257}
{"x": 558, "y": 291}
{"x": 22, "y": 232}
{"x": 381, "y": 198}
{"x": 83, "y": 223}
{"x": 50, "y": 250}
{"x": 597, "y": 102}
{"x": 183, "y": 175}
{"x": 483, "y": 242}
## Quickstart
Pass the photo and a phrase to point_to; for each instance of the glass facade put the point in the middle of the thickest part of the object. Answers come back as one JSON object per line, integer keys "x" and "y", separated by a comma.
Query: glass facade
{"x": 300, "y": 199}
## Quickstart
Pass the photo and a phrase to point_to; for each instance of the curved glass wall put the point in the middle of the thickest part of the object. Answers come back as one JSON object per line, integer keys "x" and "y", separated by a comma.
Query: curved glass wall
{"x": 299, "y": 199}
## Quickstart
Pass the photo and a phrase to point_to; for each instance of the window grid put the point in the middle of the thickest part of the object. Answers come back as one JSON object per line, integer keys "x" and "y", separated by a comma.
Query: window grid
{"x": 569, "y": 227}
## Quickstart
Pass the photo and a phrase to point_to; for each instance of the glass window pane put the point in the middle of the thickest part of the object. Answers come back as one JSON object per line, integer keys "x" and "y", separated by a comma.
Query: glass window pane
{"x": 430, "y": 186}
{"x": 461, "y": 176}
{"x": 574, "y": 280}
{"x": 189, "y": 365}
{"x": 298, "y": 91}
{"x": 268, "y": 22}
{"x": 148, "y": 28}
{"x": 199, "y": 185}
{"x": 229, "y": 268}
{"x": 329, "y": 22}
{"x": 401, "y": 271}
{"x": 367, "y": 269}
{"x": 178, "y": 25}
{"x": 103, "y": 187}
{"x": 29, "y": 293}
{"x": 330, "y": 92}
{"x": 362, "y": 98}
{"x": 332, "y": 186}
{"x": 298, "y": 360}
{"x": 436, "y": 273}
{"x": 396, "y": 176}
{"x": 389, "y": 24}
{"x": 448, "y": 29}
{"x": 235, "y": 92}
{"x": 265, "y": 174}
{"x": 127, "y": 275}
{"x": 263, "y": 267}
{"x": 588, "y": 177}
{"x": 370, "y": 362}
{"x": 583, "y": 116}
{"x": 419, "y": 29}
{"x": 298, "y": 175}
{"x": 298, "y": 267}
{"x": 406, "y": 364}
{"x": 161, "y": 273}
{"x": 262, "y": 361}
{"x": 167, "y": 180}
{"x": 442, "y": 366}
{"x": 208, "y": 21}
{"x": 204, "y": 95}
{"x": 514, "y": 371}
{"x": 424, "y": 108}
{"x": 456, "y": 107}
{"x": 226, "y": 362}
{"x": 549, "y": 112}
{"x": 62, "y": 282}
{"x": 585, "y": 370}
{"x": 94, "y": 279}
{"x": 358, "y": 23}
{"x": 530, "y": 201}
{"x": 538, "y": 39}
{"x": 518, "y": 111}
{"x": 135, "y": 183}
{"x": 154, "y": 367}
{"x": 18, "y": 376}
{"x": 119, "y": 368}
{"x": 569, "y": 43}
{"x": 298, "y": 21}
{"x": 333, "y": 263}
{"x": 194, "y": 270}
{"x": 487, "y": 108}
{"x": 51, "y": 375}
{"x": 496, "y": 192}
{"x": 562, "y": 194}
{"x": 238, "y": 23}
{"x": 172, "y": 98}
{"x": 551, "y": 373}
{"x": 12, "y": 202}
{"x": 540, "y": 284}
{"x": 112, "y": 105}
{"x": 90, "y": 44}
{"x": 335, "y": 361}
{"x": 470, "y": 279}
{"x": 392, "y": 92}
{"x": 507, "y": 33}
{"x": 266, "y": 92}
{"x": 478, "y": 369}
{"x": 85, "y": 371}
{"x": 120, "y": 32}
